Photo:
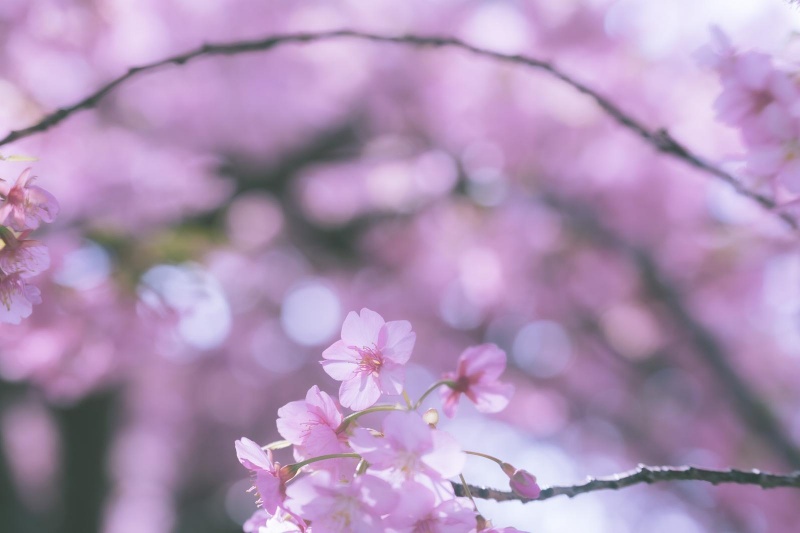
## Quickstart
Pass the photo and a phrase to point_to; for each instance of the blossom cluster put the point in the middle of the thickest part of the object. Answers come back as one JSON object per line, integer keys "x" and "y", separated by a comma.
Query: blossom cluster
{"x": 762, "y": 100}
{"x": 24, "y": 207}
{"x": 396, "y": 478}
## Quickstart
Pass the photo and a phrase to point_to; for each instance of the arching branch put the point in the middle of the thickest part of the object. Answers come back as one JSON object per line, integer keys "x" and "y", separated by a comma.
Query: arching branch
{"x": 660, "y": 139}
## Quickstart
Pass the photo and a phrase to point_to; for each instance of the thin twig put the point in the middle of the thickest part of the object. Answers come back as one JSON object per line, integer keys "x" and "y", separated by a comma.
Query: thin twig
{"x": 644, "y": 474}
{"x": 660, "y": 139}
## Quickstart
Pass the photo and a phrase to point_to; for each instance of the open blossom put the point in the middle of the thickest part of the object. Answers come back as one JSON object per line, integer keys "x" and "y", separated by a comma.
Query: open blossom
{"x": 335, "y": 507}
{"x": 26, "y": 205}
{"x": 476, "y": 377}
{"x": 369, "y": 358}
{"x": 26, "y": 257}
{"x": 17, "y": 297}
{"x": 310, "y": 425}
{"x": 269, "y": 478}
{"x": 410, "y": 449}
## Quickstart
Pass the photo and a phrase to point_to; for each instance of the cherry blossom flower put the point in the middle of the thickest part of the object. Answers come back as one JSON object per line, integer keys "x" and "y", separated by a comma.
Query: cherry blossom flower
{"x": 478, "y": 370}
{"x": 522, "y": 482}
{"x": 26, "y": 205}
{"x": 269, "y": 478}
{"x": 334, "y": 507}
{"x": 28, "y": 258}
{"x": 310, "y": 423}
{"x": 410, "y": 449}
{"x": 419, "y": 511}
{"x": 17, "y": 298}
{"x": 311, "y": 426}
{"x": 369, "y": 358}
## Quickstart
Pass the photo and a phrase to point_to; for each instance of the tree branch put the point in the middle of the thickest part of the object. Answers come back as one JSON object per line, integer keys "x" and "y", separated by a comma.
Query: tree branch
{"x": 644, "y": 474}
{"x": 660, "y": 139}
{"x": 746, "y": 400}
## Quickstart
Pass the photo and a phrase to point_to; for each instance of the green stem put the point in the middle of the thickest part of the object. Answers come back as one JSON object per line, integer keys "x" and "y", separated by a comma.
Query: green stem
{"x": 301, "y": 464}
{"x": 467, "y": 492}
{"x": 479, "y": 454}
{"x": 448, "y": 382}
{"x": 374, "y": 409}
{"x": 408, "y": 400}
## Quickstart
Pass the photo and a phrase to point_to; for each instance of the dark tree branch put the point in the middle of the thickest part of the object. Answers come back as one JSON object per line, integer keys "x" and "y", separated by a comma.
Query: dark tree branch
{"x": 746, "y": 401}
{"x": 644, "y": 474}
{"x": 660, "y": 139}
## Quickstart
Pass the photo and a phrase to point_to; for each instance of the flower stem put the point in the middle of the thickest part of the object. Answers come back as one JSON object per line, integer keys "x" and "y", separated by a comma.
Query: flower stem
{"x": 408, "y": 400}
{"x": 374, "y": 409}
{"x": 301, "y": 464}
{"x": 485, "y": 456}
{"x": 467, "y": 492}
{"x": 432, "y": 388}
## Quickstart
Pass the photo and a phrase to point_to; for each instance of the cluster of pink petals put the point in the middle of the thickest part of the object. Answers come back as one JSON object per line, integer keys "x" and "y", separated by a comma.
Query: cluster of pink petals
{"x": 476, "y": 377}
{"x": 25, "y": 205}
{"x": 334, "y": 507}
{"x": 311, "y": 426}
{"x": 357, "y": 479}
{"x": 764, "y": 103}
{"x": 22, "y": 209}
{"x": 369, "y": 358}
{"x": 409, "y": 449}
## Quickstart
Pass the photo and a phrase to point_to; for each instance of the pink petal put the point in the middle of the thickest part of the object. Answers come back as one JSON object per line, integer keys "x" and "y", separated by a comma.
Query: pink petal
{"x": 487, "y": 360}
{"x": 491, "y": 397}
{"x": 359, "y": 392}
{"x": 362, "y": 330}
{"x": 252, "y": 456}
{"x": 392, "y": 377}
{"x": 399, "y": 341}
{"x": 446, "y": 458}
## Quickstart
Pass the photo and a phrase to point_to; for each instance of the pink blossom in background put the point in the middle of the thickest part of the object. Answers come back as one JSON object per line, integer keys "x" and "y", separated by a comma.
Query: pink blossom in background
{"x": 369, "y": 358}
{"x": 26, "y": 205}
{"x": 477, "y": 373}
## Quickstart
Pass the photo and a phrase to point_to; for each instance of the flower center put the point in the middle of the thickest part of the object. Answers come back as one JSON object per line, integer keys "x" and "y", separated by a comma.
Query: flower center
{"x": 371, "y": 359}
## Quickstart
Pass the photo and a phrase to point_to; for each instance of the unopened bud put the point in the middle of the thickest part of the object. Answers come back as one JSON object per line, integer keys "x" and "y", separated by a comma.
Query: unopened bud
{"x": 431, "y": 417}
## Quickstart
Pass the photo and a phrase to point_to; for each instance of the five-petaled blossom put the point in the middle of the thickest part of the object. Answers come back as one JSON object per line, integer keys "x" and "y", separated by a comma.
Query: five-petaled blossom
{"x": 369, "y": 358}
{"x": 26, "y": 205}
{"x": 476, "y": 377}
{"x": 311, "y": 426}
{"x": 268, "y": 476}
